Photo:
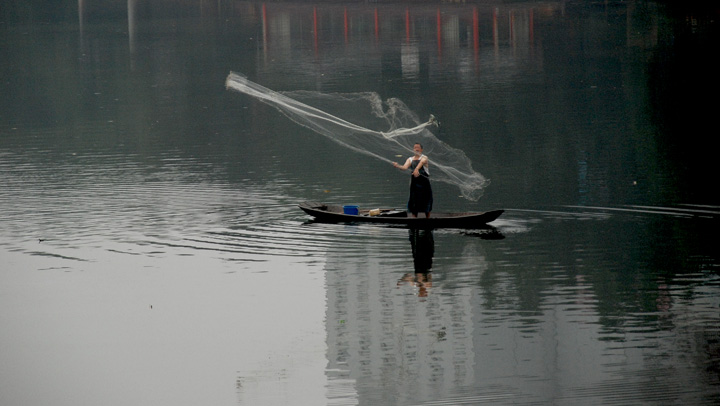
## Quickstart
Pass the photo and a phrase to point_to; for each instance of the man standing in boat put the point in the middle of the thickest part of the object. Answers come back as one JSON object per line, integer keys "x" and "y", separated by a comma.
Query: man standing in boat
{"x": 421, "y": 198}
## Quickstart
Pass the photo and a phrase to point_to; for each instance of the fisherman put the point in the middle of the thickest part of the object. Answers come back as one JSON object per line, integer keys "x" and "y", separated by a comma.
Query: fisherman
{"x": 421, "y": 198}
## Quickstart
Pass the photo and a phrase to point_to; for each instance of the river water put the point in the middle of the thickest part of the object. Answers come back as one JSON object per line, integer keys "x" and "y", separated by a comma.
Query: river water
{"x": 152, "y": 251}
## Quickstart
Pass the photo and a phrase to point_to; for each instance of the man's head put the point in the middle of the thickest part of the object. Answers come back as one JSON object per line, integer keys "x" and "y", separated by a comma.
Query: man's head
{"x": 418, "y": 149}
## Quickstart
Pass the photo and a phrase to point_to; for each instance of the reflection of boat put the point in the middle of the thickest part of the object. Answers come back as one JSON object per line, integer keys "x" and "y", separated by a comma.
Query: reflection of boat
{"x": 335, "y": 214}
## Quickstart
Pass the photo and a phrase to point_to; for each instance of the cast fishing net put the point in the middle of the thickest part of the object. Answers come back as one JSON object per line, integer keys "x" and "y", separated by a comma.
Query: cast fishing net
{"x": 388, "y": 132}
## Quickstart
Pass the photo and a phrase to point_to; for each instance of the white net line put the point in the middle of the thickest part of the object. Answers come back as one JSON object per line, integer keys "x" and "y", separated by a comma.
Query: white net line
{"x": 402, "y": 129}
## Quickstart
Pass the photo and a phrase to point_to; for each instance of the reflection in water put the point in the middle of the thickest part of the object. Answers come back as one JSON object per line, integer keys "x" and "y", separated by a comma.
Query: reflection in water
{"x": 423, "y": 249}
{"x": 487, "y": 233}
{"x": 128, "y": 188}
{"x": 432, "y": 41}
{"x": 390, "y": 347}
{"x": 132, "y": 27}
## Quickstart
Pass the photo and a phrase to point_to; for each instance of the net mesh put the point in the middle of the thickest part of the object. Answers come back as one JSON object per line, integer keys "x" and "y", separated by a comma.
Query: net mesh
{"x": 388, "y": 132}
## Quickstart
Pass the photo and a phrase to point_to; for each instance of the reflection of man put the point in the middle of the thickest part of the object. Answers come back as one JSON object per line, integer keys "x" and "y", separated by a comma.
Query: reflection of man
{"x": 423, "y": 249}
{"x": 422, "y": 281}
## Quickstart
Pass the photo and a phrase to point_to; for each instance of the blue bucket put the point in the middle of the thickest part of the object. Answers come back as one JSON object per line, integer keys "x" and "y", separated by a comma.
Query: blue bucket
{"x": 354, "y": 210}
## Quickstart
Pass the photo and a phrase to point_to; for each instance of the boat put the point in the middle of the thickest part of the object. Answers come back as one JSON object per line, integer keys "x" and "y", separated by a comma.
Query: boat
{"x": 338, "y": 214}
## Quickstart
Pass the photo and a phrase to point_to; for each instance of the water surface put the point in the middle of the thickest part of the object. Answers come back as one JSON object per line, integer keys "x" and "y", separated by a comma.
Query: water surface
{"x": 153, "y": 252}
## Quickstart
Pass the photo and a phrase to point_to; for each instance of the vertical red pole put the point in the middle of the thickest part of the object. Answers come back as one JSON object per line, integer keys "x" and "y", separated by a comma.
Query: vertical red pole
{"x": 264, "y": 28}
{"x": 476, "y": 30}
{"x": 315, "y": 30}
{"x": 407, "y": 24}
{"x": 346, "y": 25}
{"x": 439, "y": 32}
{"x": 476, "y": 35}
{"x": 512, "y": 28}
{"x": 264, "y": 21}
{"x": 377, "y": 24}
{"x": 532, "y": 26}
{"x": 495, "y": 29}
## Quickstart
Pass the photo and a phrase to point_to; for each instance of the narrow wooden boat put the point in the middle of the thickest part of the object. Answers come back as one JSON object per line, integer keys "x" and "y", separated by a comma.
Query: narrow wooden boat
{"x": 336, "y": 214}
